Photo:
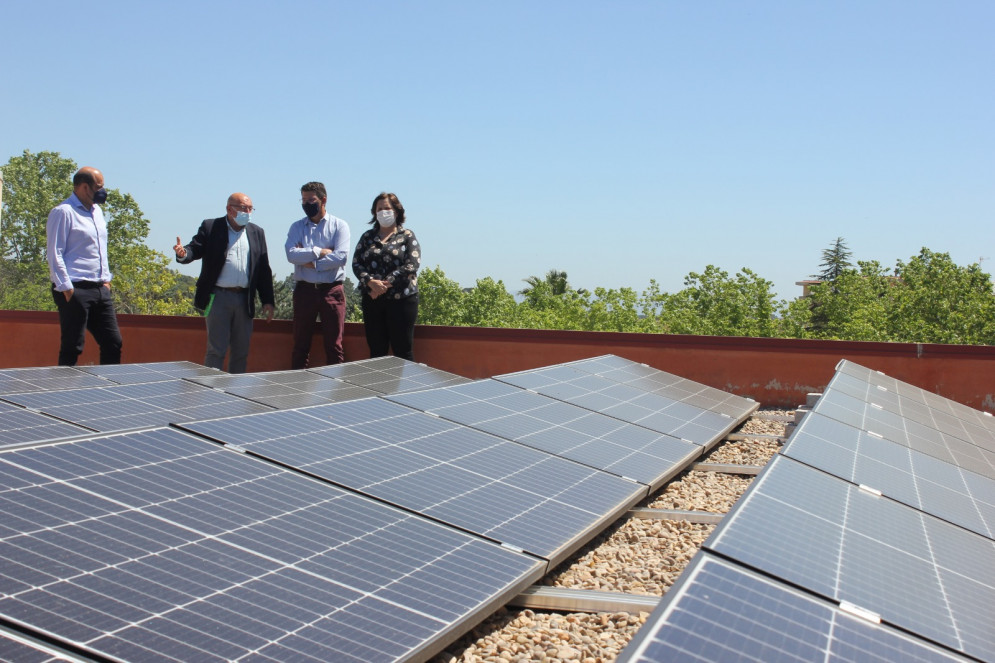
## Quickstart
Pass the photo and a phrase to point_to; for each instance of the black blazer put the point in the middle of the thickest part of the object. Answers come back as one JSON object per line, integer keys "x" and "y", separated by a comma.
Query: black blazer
{"x": 211, "y": 244}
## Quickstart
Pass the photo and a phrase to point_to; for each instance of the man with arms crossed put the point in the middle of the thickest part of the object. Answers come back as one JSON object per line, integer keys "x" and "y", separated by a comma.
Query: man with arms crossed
{"x": 235, "y": 267}
{"x": 318, "y": 248}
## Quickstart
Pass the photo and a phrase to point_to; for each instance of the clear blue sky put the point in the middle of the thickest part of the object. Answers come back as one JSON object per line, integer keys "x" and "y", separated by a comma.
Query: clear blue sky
{"x": 618, "y": 141}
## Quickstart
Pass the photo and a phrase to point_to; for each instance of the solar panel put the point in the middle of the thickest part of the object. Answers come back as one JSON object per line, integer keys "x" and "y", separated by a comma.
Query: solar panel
{"x": 719, "y": 611}
{"x": 666, "y": 384}
{"x": 915, "y": 571}
{"x": 149, "y": 372}
{"x": 949, "y": 443}
{"x": 629, "y": 403}
{"x": 511, "y": 493}
{"x": 559, "y": 428}
{"x": 286, "y": 389}
{"x": 917, "y": 404}
{"x": 922, "y": 481}
{"x": 126, "y": 407}
{"x": 390, "y": 375}
{"x": 158, "y": 546}
{"x": 20, "y": 380}
{"x": 20, "y": 426}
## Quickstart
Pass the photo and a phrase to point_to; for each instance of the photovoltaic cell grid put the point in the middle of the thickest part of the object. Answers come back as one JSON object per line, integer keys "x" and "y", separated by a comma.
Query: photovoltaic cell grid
{"x": 666, "y": 384}
{"x": 158, "y": 546}
{"x": 286, "y": 389}
{"x": 20, "y": 426}
{"x": 559, "y": 428}
{"x": 917, "y": 572}
{"x": 149, "y": 372}
{"x": 631, "y": 402}
{"x": 21, "y": 380}
{"x": 922, "y": 481}
{"x": 719, "y": 611}
{"x": 947, "y": 443}
{"x": 18, "y": 649}
{"x": 508, "y": 492}
{"x": 126, "y": 407}
{"x": 941, "y": 409}
{"x": 390, "y": 375}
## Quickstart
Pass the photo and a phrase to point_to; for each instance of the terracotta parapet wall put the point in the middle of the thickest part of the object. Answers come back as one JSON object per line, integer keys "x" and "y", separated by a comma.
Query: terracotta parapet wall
{"x": 775, "y": 372}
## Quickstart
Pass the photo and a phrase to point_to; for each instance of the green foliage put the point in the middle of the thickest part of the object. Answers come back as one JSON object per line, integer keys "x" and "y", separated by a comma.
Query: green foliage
{"x": 441, "y": 301}
{"x": 714, "y": 304}
{"x": 835, "y": 260}
{"x": 33, "y": 185}
{"x": 853, "y": 306}
{"x": 936, "y": 301}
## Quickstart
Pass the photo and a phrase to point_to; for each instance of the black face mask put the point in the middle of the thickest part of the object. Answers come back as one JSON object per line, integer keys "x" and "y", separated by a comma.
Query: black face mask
{"x": 100, "y": 196}
{"x": 311, "y": 209}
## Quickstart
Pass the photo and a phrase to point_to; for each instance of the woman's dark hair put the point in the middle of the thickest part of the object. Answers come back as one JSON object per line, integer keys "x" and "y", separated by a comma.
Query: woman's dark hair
{"x": 395, "y": 205}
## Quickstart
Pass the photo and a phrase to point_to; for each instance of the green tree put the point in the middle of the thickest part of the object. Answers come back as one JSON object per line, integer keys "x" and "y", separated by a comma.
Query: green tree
{"x": 835, "y": 260}
{"x": 441, "y": 301}
{"x": 33, "y": 185}
{"x": 852, "y": 307}
{"x": 489, "y": 304}
{"x": 555, "y": 280}
{"x": 936, "y": 301}
{"x": 714, "y": 304}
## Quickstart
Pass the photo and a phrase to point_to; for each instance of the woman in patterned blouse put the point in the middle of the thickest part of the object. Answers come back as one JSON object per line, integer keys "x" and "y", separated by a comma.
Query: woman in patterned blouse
{"x": 386, "y": 263}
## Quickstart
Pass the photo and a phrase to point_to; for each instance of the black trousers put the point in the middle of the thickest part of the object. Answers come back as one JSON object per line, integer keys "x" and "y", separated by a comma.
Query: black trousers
{"x": 390, "y": 324}
{"x": 91, "y": 307}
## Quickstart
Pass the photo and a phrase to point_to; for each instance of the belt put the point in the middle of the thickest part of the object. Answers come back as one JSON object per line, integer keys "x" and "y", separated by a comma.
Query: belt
{"x": 221, "y": 287}
{"x": 318, "y": 286}
{"x": 87, "y": 284}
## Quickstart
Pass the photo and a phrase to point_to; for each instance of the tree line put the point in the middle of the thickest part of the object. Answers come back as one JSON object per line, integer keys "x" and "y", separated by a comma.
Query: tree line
{"x": 926, "y": 299}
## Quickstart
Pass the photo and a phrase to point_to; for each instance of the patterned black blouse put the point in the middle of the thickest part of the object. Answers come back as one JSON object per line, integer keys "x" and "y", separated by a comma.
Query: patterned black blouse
{"x": 395, "y": 261}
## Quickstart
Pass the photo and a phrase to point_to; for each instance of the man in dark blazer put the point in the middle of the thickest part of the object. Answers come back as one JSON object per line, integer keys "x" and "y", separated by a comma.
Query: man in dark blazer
{"x": 235, "y": 267}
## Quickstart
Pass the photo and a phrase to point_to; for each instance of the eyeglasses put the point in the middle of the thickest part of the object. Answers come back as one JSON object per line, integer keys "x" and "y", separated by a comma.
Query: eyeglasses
{"x": 243, "y": 208}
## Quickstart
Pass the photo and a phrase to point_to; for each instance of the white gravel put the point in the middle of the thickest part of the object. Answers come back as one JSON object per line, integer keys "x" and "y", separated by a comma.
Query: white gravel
{"x": 635, "y": 556}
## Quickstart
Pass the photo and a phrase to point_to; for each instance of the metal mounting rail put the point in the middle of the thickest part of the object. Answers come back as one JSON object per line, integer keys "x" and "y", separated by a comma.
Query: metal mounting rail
{"x": 702, "y": 517}
{"x": 727, "y": 468}
{"x": 561, "y": 599}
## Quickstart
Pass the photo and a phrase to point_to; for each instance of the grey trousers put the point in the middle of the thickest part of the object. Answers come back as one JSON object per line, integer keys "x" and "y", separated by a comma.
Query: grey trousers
{"x": 229, "y": 327}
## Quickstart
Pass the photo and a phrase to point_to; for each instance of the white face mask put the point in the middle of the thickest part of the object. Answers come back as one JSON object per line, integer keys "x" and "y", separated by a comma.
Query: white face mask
{"x": 242, "y": 218}
{"x": 385, "y": 218}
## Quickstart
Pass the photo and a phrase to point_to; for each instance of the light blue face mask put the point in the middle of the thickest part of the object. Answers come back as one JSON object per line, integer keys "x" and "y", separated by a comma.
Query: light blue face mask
{"x": 242, "y": 218}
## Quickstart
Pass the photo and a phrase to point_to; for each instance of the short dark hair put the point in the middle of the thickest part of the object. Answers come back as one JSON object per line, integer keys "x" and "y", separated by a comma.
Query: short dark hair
{"x": 317, "y": 187}
{"x": 395, "y": 205}
{"x": 83, "y": 177}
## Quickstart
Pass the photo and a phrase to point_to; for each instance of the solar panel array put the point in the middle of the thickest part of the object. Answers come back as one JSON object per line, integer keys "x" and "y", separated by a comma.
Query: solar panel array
{"x": 641, "y": 395}
{"x": 257, "y": 528}
{"x": 869, "y": 538}
{"x": 560, "y": 428}
{"x": 518, "y": 496}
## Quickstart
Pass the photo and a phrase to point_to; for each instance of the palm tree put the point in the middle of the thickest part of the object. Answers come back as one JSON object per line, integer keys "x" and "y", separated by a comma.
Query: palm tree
{"x": 555, "y": 279}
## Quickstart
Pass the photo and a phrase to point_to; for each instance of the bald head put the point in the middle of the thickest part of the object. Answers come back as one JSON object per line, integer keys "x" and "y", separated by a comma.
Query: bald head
{"x": 238, "y": 202}
{"x": 86, "y": 182}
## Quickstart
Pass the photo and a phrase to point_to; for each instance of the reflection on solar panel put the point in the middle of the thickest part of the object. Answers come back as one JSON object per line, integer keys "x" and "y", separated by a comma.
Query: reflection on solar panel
{"x": 722, "y": 612}
{"x": 666, "y": 384}
{"x": 513, "y": 494}
{"x": 126, "y": 407}
{"x": 157, "y": 546}
{"x": 21, "y": 380}
{"x": 286, "y": 389}
{"x": 644, "y": 400}
{"x": 960, "y": 440}
{"x": 923, "y": 481}
{"x": 18, "y": 426}
{"x": 389, "y": 375}
{"x": 149, "y": 372}
{"x": 915, "y": 571}
{"x": 559, "y": 428}
{"x": 22, "y": 649}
